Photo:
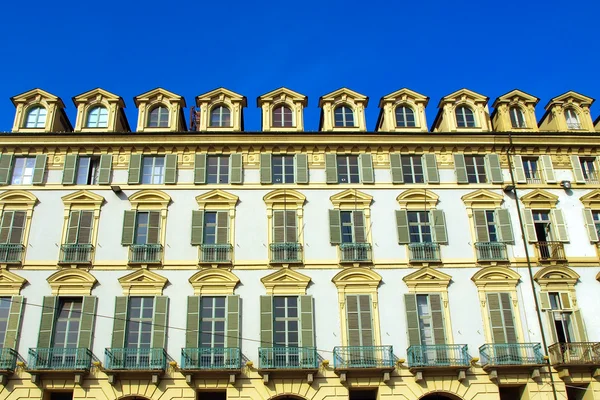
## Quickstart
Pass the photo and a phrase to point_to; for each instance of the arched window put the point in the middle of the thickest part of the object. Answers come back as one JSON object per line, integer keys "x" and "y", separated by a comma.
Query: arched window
{"x": 405, "y": 117}
{"x": 220, "y": 117}
{"x": 572, "y": 119}
{"x": 159, "y": 117}
{"x": 344, "y": 116}
{"x": 464, "y": 117}
{"x": 97, "y": 117}
{"x": 517, "y": 118}
{"x": 282, "y": 117}
{"x": 36, "y": 117}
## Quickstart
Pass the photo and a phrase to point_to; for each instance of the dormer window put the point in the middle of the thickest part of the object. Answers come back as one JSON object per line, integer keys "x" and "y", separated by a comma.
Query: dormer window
{"x": 517, "y": 118}
{"x": 405, "y": 117}
{"x": 464, "y": 117}
{"x": 344, "y": 117}
{"x": 36, "y": 117}
{"x": 572, "y": 119}
{"x": 97, "y": 118}
{"x": 158, "y": 117}
{"x": 220, "y": 117}
{"x": 283, "y": 117}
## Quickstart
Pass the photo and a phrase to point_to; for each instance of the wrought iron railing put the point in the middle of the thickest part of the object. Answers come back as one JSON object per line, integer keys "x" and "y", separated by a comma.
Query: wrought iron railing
{"x": 11, "y": 253}
{"x": 534, "y": 180}
{"x": 363, "y": 357}
{"x": 424, "y": 252}
{"x": 8, "y": 359}
{"x": 215, "y": 253}
{"x": 289, "y": 252}
{"x": 439, "y": 355}
{"x": 550, "y": 251}
{"x": 491, "y": 251}
{"x": 58, "y": 358}
{"x": 211, "y": 358}
{"x": 288, "y": 358}
{"x": 135, "y": 358}
{"x": 591, "y": 178}
{"x": 579, "y": 353}
{"x": 76, "y": 254}
{"x": 145, "y": 253}
{"x": 355, "y": 252}
{"x": 511, "y": 354}
{"x": 573, "y": 125}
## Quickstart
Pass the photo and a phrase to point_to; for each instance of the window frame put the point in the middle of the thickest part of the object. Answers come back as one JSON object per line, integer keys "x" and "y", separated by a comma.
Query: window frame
{"x": 27, "y": 160}
{"x": 475, "y": 166}
{"x": 72, "y": 321}
{"x": 99, "y": 108}
{"x": 144, "y": 324}
{"x": 285, "y": 175}
{"x": 161, "y": 109}
{"x": 349, "y": 164}
{"x": 535, "y": 174}
{"x": 275, "y": 123}
{"x": 572, "y": 119}
{"x": 222, "y": 117}
{"x": 345, "y": 111}
{"x": 219, "y": 169}
{"x": 404, "y": 108}
{"x": 462, "y": 119}
{"x": 38, "y": 116}
{"x": 153, "y": 176}
{"x": 408, "y": 169}
{"x": 419, "y": 225}
{"x": 517, "y": 118}
{"x": 214, "y": 320}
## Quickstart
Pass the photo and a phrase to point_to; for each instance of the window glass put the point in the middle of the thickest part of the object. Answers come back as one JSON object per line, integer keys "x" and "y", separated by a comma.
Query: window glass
{"x": 210, "y": 227}
{"x": 88, "y": 170}
{"x": 596, "y": 215}
{"x": 282, "y": 168}
{"x": 141, "y": 232}
{"x": 405, "y": 117}
{"x": 572, "y": 119}
{"x": 36, "y": 117}
{"x": 66, "y": 329}
{"x": 220, "y": 117}
{"x": 212, "y": 321}
{"x": 22, "y": 173}
{"x": 412, "y": 169}
{"x": 530, "y": 166}
{"x": 217, "y": 169}
{"x": 139, "y": 323}
{"x": 159, "y": 117}
{"x": 347, "y": 227}
{"x": 475, "y": 169}
{"x": 97, "y": 118}
{"x": 282, "y": 117}
{"x": 589, "y": 169}
{"x": 153, "y": 169}
{"x": 464, "y": 117}
{"x": 491, "y": 225}
{"x": 5, "y": 303}
{"x": 347, "y": 167}
{"x": 286, "y": 321}
{"x": 517, "y": 118}
{"x": 419, "y": 227}
{"x": 344, "y": 117}
{"x": 425, "y": 324}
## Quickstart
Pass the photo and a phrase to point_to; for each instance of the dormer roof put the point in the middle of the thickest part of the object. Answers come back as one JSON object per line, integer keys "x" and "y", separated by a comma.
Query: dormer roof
{"x": 555, "y": 120}
{"x": 219, "y": 94}
{"x": 515, "y": 95}
{"x": 404, "y": 94}
{"x": 342, "y": 93}
{"x": 343, "y": 96}
{"x": 205, "y": 102}
{"x": 386, "y": 120}
{"x": 147, "y": 101}
{"x": 570, "y": 95}
{"x": 94, "y": 93}
{"x": 39, "y": 94}
{"x": 56, "y": 118}
{"x": 293, "y": 101}
{"x": 463, "y": 93}
{"x": 279, "y": 93}
{"x": 158, "y": 92}
{"x": 117, "y": 120}
{"x": 445, "y": 119}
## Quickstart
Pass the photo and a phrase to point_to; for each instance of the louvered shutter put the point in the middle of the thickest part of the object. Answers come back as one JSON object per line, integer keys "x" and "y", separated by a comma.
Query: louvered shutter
{"x": 13, "y": 324}
{"x": 481, "y": 226}
{"x": 352, "y": 320}
{"x": 565, "y": 300}
{"x": 86, "y": 324}
{"x": 580, "y": 326}
{"x": 577, "y": 170}
{"x": 544, "y": 301}
{"x": 430, "y": 167}
{"x": 590, "y": 225}
{"x": 460, "y": 168}
{"x": 494, "y": 170}
{"x": 367, "y": 175}
{"x": 154, "y": 227}
{"x": 519, "y": 170}
{"x": 266, "y": 321}
{"x": 86, "y": 225}
{"x": 335, "y": 227}
{"x": 223, "y": 227}
{"x": 235, "y": 168}
{"x": 307, "y": 336}
{"x": 129, "y": 219}
{"x": 69, "y": 168}
{"x": 529, "y": 226}
{"x": 439, "y": 226}
{"x": 504, "y": 225}
{"x": 291, "y": 232}
{"x": 105, "y": 169}
{"x": 192, "y": 327}
{"x": 5, "y": 168}
{"x": 496, "y": 321}
{"x": 366, "y": 320}
{"x": 159, "y": 327}
{"x": 18, "y": 227}
{"x": 170, "y": 169}
{"x": 135, "y": 169}
{"x": 39, "y": 170}
{"x": 547, "y": 169}
{"x": 73, "y": 227}
{"x": 508, "y": 317}
{"x": 412, "y": 320}
{"x": 5, "y": 226}
{"x": 233, "y": 321}
{"x": 278, "y": 226}
{"x": 265, "y": 168}
{"x": 120, "y": 322}
{"x": 437, "y": 318}
{"x": 200, "y": 168}
{"x": 197, "y": 227}
{"x": 402, "y": 227}
{"x": 396, "y": 168}
{"x": 560, "y": 230}
{"x": 331, "y": 174}
{"x": 49, "y": 306}
{"x": 359, "y": 320}
{"x": 358, "y": 222}
{"x": 301, "y": 165}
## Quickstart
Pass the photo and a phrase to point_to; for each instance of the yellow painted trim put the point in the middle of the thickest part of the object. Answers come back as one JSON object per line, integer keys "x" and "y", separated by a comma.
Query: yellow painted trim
{"x": 285, "y": 281}
{"x": 10, "y": 283}
{"x": 143, "y": 282}
{"x": 417, "y": 199}
{"x": 19, "y": 200}
{"x": 220, "y": 200}
{"x": 591, "y": 200}
{"x": 24, "y": 101}
{"x": 556, "y": 277}
{"x": 539, "y": 198}
{"x": 214, "y": 281}
{"x": 482, "y": 198}
{"x": 82, "y": 200}
{"x": 281, "y": 199}
{"x": 149, "y": 199}
{"x": 71, "y": 282}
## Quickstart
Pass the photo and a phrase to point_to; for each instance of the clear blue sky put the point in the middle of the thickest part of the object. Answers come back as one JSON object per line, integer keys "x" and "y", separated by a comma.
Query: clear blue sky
{"x": 544, "y": 47}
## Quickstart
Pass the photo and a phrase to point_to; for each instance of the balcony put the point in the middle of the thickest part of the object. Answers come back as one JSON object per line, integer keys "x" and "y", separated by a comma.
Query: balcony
{"x": 550, "y": 252}
{"x": 11, "y": 253}
{"x": 363, "y": 357}
{"x": 135, "y": 359}
{"x": 286, "y": 253}
{"x": 491, "y": 251}
{"x": 215, "y": 253}
{"x": 59, "y": 359}
{"x": 355, "y": 252}
{"x": 8, "y": 359}
{"x": 288, "y": 358}
{"x": 534, "y": 180}
{"x": 575, "y": 354}
{"x": 591, "y": 178}
{"x": 211, "y": 358}
{"x": 511, "y": 354}
{"x": 145, "y": 254}
{"x": 76, "y": 254}
{"x": 439, "y": 356}
{"x": 424, "y": 252}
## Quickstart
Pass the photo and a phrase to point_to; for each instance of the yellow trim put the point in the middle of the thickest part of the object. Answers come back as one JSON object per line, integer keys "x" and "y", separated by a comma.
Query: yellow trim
{"x": 282, "y": 199}
{"x": 220, "y": 200}
{"x": 350, "y": 199}
{"x": 282, "y": 96}
{"x": 71, "y": 282}
{"x": 146, "y": 102}
{"x": 152, "y": 200}
{"x": 38, "y": 97}
{"x": 286, "y": 281}
{"x": 417, "y": 199}
{"x": 19, "y": 200}
{"x": 82, "y": 200}
{"x": 556, "y": 278}
{"x": 344, "y": 96}
{"x": 403, "y": 97}
{"x": 213, "y": 281}
{"x": 10, "y": 283}
{"x": 539, "y": 199}
{"x": 482, "y": 198}
{"x": 221, "y": 96}
{"x": 143, "y": 282}
{"x": 591, "y": 200}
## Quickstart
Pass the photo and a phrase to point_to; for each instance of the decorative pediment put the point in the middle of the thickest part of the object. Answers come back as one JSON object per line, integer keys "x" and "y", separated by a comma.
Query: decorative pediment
{"x": 168, "y": 103}
{"x": 342, "y": 95}
{"x": 591, "y": 200}
{"x": 71, "y": 282}
{"x": 427, "y": 279}
{"x": 37, "y": 95}
{"x": 404, "y": 95}
{"x": 158, "y": 94}
{"x": 143, "y": 282}
{"x": 10, "y": 283}
{"x": 221, "y": 95}
{"x": 48, "y": 109}
{"x": 358, "y": 278}
{"x": 214, "y": 281}
{"x": 294, "y": 104}
{"x": 150, "y": 197}
{"x": 496, "y": 278}
{"x": 445, "y": 120}
{"x": 98, "y": 95}
{"x": 417, "y": 199}
{"x": 288, "y": 197}
{"x": 556, "y": 276}
{"x": 570, "y": 97}
{"x": 576, "y": 105}
{"x": 83, "y": 198}
{"x": 351, "y": 197}
{"x": 416, "y": 102}
{"x": 18, "y": 197}
{"x": 282, "y": 95}
{"x": 220, "y": 101}
{"x": 116, "y": 120}
{"x": 356, "y": 102}
{"x": 482, "y": 198}
{"x": 286, "y": 281}
{"x": 216, "y": 199}
{"x": 515, "y": 110}
{"x": 462, "y": 95}
{"x": 516, "y": 97}
{"x": 539, "y": 199}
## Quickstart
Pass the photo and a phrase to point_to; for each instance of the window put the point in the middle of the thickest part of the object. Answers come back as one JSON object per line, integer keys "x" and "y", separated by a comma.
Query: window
{"x": 283, "y": 168}
{"x": 5, "y": 304}
{"x": 286, "y": 321}
{"x": 588, "y": 168}
{"x": 350, "y": 220}
{"x": 220, "y": 117}
{"x": 419, "y": 227}
{"x": 425, "y": 319}
{"x": 283, "y": 117}
{"x": 464, "y": 117}
{"x": 488, "y": 224}
{"x": 36, "y": 117}
{"x": 572, "y": 119}
{"x": 158, "y": 117}
{"x": 412, "y": 169}
{"x": 475, "y": 169}
{"x": 359, "y": 320}
{"x": 561, "y": 319}
{"x": 23, "y": 168}
{"x": 596, "y": 219}
{"x": 344, "y": 117}
{"x": 517, "y": 118}
{"x": 153, "y": 169}
{"x": 97, "y": 118}
{"x": 284, "y": 226}
{"x": 212, "y": 322}
{"x": 217, "y": 169}
{"x": 12, "y": 228}
{"x": 405, "y": 117}
{"x": 216, "y": 227}
{"x": 543, "y": 226}
{"x": 502, "y": 323}
{"x": 531, "y": 168}
{"x": 139, "y": 322}
{"x": 147, "y": 229}
{"x": 88, "y": 170}
{"x": 81, "y": 225}
{"x": 66, "y": 331}
{"x": 347, "y": 169}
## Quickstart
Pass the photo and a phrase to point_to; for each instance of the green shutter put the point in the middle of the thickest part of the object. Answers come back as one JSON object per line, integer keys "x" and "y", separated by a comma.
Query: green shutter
{"x": 14, "y": 322}
{"x": 291, "y": 234}
{"x": 437, "y": 319}
{"x": 496, "y": 321}
{"x": 439, "y": 226}
{"x": 129, "y": 220}
{"x": 494, "y": 170}
{"x": 18, "y": 227}
{"x": 366, "y": 320}
{"x": 547, "y": 169}
{"x": 73, "y": 227}
{"x": 5, "y": 226}
{"x": 529, "y": 226}
{"x": 105, "y": 169}
{"x": 335, "y": 227}
{"x": 562, "y": 234}
{"x": 481, "y": 226}
{"x": 265, "y": 168}
{"x": 509, "y": 320}
{"x": 544, "y": 301}
{"x": 358, "y": 222}
{"x": 120, "y": 322}
{"x": 504, "y": 225}
{"x": 430, "y": 168}
{"x": 359, "y": 320}
{"x": 402, "y": 226}
{"x": 135, "y": 169}
{"x": 5, "y": 168}
{"x": 412, "y": 320}
{"x": 170, "y": 169}
{"x": 519, "y": 170}
{"x": 197, "y": 227}
{"x": 49, "y": 305}
{"x": 301, "y": 165}
{"x": 159, "y": 328}
{"x": 154, "y": 227}
{"x": 367, "y": 175}
{"x": 307, "y": 336}
{"x": 278, "y": 226}
{"x": 39, "y": 170}
{"x": 86, "y": 226}
{"x": 396, "y": 168}
{"x": 577, "y": 170}
{"x": 69, "y": 169}
{"x": 352, "y": 320}
{"x": 580, "y": 326}
{"x": 565, "y": 300}
{"x": 331, "y": 174}
{"x": 233, "y": 321}
{"x": 222, "y": 227}
{"x": 200, "y": 168}
{"x": 86, "y": 325}
{"x": 588, "y": 217}
{"x": 460, "y": 168}
{"x": 192, "y": 327}
{"x": 235, "y": 168}
{"x": 266, "y": 321}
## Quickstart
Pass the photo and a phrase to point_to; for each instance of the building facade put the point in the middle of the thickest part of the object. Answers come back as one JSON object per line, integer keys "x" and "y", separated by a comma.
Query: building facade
{"x": 209, "y": 262}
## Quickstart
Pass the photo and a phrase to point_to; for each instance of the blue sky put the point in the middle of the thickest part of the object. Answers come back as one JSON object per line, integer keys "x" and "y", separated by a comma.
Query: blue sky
{"x": 544, "y": 47}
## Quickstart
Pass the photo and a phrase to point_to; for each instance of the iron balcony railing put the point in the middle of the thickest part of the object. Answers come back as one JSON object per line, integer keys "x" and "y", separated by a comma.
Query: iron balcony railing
{"x": 511, "y": 354}
{"x": 288, "y": 358}
{"x": 534, "y": 180}
{"x": 424, "y": 252}
{"x": 216, "y": 253}
{"x": 550, "y": 251}
{"x": 8, "y": 359}
{"x": 145, "y": 253}
{"x": 346, "y": 357}
{"x": 76, "y": 254}
{"x": 439, "y": 355}
{"x": 290, "y": 252}
{"x": 491, "y": 251}
{"x": 573, "y": 125}
{"x": 581, "y": 353}
{"x": 136, "y": 358}
{"x": 11, "y": 253}
{"x": 58, "y": 358}
{"x": 591, "y": 178}
{"x": 355, "y": 252}
{"x": 211, "y": 358}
